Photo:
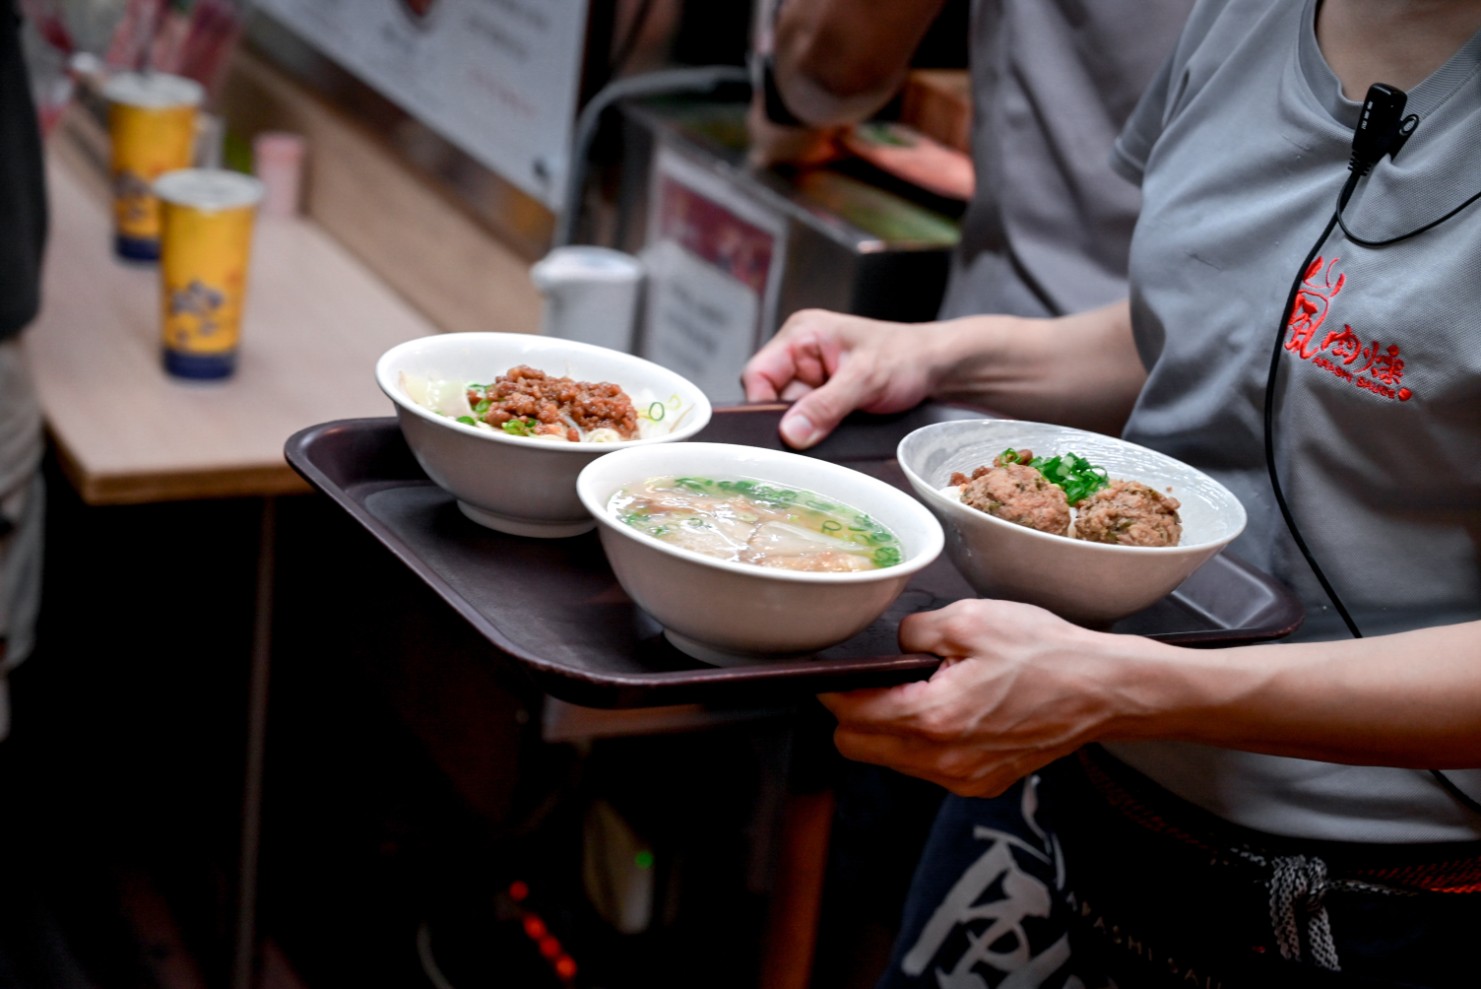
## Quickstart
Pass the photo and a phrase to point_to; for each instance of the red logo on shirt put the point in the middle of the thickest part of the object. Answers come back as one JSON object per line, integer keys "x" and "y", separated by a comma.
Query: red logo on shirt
{"x": 1371, "y": 367}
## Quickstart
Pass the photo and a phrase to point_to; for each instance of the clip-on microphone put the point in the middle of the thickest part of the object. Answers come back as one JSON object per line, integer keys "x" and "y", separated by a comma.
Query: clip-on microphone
{"x": 1382, "y": 127}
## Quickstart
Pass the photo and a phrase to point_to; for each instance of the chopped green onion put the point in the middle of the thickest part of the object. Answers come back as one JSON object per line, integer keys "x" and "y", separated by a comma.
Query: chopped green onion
{"x": 886, "y": 556}
{"x": 1078, "y": 477}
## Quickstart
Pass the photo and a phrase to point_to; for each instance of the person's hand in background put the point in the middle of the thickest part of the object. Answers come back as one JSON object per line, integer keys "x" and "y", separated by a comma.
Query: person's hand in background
{"x": 830, "y": 64}
{"x": 774, "y": 145}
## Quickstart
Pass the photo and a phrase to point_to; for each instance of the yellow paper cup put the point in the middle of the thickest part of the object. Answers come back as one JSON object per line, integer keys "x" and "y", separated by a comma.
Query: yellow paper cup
{"x": 206, "y": 219}
{"x": 151, "y": 126}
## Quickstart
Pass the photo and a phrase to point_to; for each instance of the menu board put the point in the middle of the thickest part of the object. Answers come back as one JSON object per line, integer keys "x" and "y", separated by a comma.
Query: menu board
{"x": 497, "y": 78}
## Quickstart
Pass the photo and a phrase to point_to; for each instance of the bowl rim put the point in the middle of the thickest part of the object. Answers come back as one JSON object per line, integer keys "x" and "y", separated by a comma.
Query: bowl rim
{"x": 956, "y": 506}
{"x": 933, "y": 544}
{"x": 701, "y": 411}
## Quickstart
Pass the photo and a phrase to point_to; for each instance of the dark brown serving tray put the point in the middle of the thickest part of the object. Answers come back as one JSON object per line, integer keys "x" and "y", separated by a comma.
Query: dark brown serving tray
{"x": 554, "y": 607}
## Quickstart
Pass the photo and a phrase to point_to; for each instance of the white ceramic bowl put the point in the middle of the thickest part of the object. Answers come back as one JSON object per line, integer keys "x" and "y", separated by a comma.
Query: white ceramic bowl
{"x": 511, "y": 483}
{"x": 1088, "y": 582}
{"x": 729, "y": 613}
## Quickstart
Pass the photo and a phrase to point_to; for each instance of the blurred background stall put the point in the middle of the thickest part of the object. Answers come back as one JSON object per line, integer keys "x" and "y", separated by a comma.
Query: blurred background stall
{"x": 406, "y": 810}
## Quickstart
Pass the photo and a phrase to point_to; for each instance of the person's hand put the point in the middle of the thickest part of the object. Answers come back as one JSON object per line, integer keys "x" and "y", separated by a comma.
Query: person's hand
{"x": 1018, "y": 688}
{"x": 772, "y": 145}
{"x": 830, "y": 364}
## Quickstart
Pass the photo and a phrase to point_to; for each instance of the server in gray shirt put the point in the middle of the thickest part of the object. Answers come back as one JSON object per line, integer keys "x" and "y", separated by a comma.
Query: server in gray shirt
{"x": 1300, "y": 813}
{"x": 1047, "y": 232}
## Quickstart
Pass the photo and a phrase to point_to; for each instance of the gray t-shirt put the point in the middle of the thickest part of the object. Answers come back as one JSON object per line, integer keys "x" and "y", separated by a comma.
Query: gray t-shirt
{"x": 1241, "y": 148}
{"x": 1053, "y": 81}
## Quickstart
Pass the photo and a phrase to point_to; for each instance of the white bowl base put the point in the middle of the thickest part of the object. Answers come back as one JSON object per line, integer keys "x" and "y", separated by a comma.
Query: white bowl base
{"x": 720, "y": 657}
{"x": 526, "y": 527}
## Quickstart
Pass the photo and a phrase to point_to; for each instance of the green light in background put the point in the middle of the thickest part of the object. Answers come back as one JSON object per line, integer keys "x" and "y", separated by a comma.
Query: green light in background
{"x": 643, "y": 859}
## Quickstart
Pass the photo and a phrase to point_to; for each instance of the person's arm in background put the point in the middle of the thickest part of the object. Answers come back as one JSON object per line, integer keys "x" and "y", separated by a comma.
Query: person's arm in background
{"x": 1081, "y": 370}
{"x": 833, "y": 63}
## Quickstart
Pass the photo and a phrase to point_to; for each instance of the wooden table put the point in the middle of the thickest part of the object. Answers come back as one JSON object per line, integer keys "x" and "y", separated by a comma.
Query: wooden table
{"x": 126, "y": 433}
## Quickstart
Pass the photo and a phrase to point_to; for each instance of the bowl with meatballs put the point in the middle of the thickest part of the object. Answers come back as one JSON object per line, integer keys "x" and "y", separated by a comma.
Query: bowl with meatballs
{"x": 504, "y": 422}
{"x": 1089, "y": 526}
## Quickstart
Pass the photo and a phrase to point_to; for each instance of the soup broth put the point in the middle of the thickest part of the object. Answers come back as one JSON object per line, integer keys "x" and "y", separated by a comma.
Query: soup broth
{"x": 750, "y": 521}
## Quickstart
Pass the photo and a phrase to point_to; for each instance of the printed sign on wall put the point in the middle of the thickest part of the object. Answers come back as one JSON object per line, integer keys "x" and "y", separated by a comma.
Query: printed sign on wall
{"x": 497, "y": 78}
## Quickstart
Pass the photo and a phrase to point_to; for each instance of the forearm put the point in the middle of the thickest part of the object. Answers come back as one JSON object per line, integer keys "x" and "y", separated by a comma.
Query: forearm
{"x": 1081, "y": 370}
{"x": 1411, "y": 699}
{"x": 839, "y": 61}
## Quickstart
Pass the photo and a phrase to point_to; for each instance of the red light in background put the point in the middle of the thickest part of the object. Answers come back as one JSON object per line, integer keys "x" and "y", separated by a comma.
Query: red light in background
{"x": 535, "y": 928}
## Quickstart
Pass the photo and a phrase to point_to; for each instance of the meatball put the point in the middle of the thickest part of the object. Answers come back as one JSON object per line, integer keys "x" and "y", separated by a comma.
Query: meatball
{"x": 1129, "y": 513}
{"x": 1020, "y": 494}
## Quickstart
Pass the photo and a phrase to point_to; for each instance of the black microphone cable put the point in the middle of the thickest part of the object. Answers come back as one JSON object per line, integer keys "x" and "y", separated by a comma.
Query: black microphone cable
{"x": 1269, "y": 410}
{"x": 1382, "y": 130}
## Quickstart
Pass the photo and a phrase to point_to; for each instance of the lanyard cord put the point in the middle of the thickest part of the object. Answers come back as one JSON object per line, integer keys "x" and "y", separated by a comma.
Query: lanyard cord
{"x": 1465, "y": 799}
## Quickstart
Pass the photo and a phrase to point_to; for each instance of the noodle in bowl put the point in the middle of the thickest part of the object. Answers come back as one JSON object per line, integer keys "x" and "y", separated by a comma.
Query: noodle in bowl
{"x": 728, "y": 611}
